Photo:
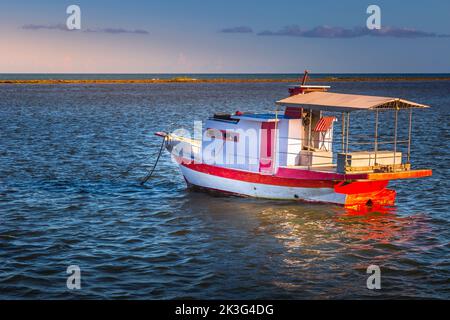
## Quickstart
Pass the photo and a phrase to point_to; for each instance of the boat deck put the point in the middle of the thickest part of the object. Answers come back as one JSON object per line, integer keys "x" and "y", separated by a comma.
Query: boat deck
{"x": 328, "y": 169}
{"x": 329, "y": 173}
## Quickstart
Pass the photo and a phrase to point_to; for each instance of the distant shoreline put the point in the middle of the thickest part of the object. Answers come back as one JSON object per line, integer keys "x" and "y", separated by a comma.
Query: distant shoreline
{"x": 221, "y": 80}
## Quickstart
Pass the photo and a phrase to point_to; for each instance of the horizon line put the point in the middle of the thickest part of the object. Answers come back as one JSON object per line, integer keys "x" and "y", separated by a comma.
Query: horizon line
{"x": 212, "y": 73}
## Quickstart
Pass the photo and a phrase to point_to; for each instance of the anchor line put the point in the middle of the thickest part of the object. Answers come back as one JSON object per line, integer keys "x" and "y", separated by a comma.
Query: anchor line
{"x": 149, "y": 175}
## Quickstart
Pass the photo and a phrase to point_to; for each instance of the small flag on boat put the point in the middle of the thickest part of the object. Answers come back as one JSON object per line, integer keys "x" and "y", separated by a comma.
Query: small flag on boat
{"x": 324, "y": 124}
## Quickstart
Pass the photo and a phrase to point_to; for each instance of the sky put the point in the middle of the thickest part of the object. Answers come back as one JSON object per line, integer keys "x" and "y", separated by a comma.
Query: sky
{"x": 226, "y": 36}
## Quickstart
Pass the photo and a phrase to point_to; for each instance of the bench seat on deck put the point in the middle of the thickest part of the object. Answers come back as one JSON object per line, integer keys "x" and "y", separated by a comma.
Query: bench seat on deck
{"x": 315, "y": 158}
{"x": 367, "y": 159}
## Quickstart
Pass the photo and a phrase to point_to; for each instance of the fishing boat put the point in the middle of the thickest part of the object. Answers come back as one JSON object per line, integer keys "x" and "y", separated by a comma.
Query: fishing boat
{"x": 292, "y": 153}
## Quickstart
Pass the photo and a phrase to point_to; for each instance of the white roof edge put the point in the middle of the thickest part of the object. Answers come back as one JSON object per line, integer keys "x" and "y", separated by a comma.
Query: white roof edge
{"x": 256, "y": 119}
{"x": 411, "y": 103}
{"x": 306, "y": 86}
{"x": 313, "y": 86}
{"x": 321, "y": 107}
{"x": 346, "y": 102}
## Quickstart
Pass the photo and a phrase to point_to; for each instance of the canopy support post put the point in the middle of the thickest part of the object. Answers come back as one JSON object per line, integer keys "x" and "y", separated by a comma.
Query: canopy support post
{"x": 274, "y": 153}
{"x": 376, "y": 137}
{"x": 343, "y": 132}
{"x": 409, "y": 136}
{"x": 309, "y": 138}
{"x": 309, "y": 129}
{"x": 346, "y": 138}
{"x": 395, "y": 134}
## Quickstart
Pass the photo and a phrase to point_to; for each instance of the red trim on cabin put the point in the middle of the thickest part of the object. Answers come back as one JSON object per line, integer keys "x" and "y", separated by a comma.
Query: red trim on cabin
{"x": 266, "y": 147}
{"x": 295, "y": 90}
{"x": 293, "y": 112}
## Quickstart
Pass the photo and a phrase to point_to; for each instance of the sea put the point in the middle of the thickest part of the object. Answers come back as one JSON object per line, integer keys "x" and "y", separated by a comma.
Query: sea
{"x": 72, "y": 157}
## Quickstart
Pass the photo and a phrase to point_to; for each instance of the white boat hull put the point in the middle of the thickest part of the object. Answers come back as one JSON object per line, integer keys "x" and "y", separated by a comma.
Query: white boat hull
{"x": 251, "y": 189}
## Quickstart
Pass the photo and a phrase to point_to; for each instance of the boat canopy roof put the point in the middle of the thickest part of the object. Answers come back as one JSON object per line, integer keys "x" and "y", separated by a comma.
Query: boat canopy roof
{"x": 329, "y": 101}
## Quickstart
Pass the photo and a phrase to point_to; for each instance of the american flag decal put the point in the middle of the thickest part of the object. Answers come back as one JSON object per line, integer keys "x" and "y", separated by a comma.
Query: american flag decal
{"x": 324, "y": 124}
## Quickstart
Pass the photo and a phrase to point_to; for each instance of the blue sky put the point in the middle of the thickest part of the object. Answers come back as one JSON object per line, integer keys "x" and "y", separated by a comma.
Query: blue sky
{"x": 187, "y": 36}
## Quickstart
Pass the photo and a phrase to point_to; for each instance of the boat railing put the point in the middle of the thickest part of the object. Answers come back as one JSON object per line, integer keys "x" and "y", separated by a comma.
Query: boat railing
{"x": 377, "y": 160}
{"x": 316, "y": 153}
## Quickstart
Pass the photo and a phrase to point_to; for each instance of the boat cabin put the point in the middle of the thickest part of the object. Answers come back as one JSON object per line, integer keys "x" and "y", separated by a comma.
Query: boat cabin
{"x": 301, "y": 135}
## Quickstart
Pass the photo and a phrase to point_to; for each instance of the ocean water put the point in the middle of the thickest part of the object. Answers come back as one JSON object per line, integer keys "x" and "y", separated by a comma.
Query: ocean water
{"x": 71, "y": 157}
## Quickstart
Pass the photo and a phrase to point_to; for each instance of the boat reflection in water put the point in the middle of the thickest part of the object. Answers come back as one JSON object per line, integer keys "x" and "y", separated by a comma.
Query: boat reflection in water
{"x": 308, "y": 250}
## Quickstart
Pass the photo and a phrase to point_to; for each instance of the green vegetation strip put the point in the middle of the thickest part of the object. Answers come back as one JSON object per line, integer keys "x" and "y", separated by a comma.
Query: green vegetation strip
{"x": 222, "y": 80}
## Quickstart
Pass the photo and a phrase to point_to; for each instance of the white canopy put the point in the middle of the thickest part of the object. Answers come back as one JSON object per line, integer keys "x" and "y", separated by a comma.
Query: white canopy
{"x": 329, "y": 101}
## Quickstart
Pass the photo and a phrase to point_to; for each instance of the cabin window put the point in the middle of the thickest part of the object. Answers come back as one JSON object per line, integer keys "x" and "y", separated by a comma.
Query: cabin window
{"x": 222, "y": 134}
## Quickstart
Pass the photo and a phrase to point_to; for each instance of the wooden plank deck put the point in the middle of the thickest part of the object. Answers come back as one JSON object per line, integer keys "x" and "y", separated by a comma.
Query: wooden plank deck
{"x": 400, "y": 175}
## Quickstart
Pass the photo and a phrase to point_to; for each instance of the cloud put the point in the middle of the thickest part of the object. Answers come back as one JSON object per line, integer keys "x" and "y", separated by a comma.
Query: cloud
{"x": 338, "y": 32}
{"x": 62, "y": 27}
{"x": 117, "y": 31}
{"x": 404, "y": 33}
{"x": 240, "y": 29}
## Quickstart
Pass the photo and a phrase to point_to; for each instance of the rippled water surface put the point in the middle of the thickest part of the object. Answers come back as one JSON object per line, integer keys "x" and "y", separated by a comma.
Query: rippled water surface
{"x": 70, "y": 160}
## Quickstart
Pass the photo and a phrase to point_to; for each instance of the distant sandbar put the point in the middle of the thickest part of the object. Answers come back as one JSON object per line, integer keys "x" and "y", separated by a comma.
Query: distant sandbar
{"x": 223, "y": 80}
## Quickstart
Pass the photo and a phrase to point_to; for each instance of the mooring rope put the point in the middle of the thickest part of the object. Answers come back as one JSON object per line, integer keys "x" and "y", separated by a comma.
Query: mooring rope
{"x": 149, "y": 175}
